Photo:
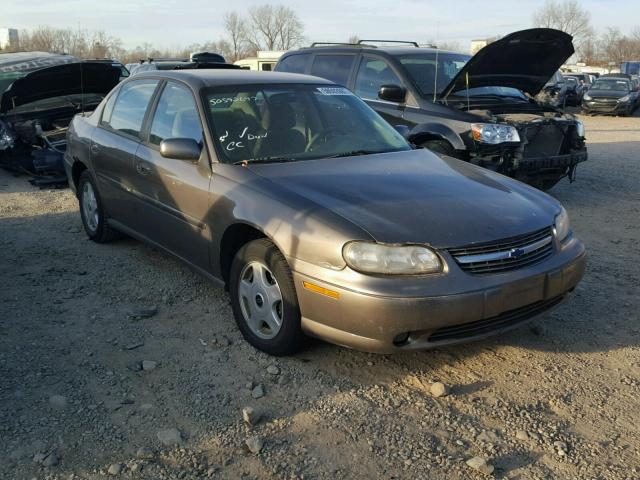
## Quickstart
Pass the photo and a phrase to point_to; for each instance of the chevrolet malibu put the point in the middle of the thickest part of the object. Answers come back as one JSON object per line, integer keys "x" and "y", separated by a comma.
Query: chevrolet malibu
{"x": 316, "y": 214}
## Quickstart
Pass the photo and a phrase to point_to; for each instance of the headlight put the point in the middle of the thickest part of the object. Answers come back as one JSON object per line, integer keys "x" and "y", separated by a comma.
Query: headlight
{"x": 370, "y": 257}
{"x": 586, "y": 96}
{"x": 626, "y": 98}
{"x": 580, "y": 128}
{"x": 494, "y": 133}
{"x": 562, "y": 225}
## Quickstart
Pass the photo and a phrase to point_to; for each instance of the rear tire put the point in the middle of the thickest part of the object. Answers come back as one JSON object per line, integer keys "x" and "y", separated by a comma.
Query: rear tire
{"x": 264, "y": 300}
{"x": 92, "y": 211}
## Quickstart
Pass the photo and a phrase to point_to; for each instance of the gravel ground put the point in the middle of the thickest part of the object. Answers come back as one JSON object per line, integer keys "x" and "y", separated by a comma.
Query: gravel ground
{"x": 117, "y": 361}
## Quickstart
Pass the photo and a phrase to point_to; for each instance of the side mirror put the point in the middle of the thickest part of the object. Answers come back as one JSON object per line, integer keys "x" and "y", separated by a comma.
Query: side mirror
{"x": 392, "y": 93}
{"x": 180, "y": 149}
{"x": 402, "y": 130}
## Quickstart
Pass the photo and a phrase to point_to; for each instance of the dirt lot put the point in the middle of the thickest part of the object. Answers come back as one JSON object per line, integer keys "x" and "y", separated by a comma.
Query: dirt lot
{"x": 560, "y": 399}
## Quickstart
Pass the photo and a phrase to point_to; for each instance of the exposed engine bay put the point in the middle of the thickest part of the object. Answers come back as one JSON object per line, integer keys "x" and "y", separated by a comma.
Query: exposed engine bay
{"x": 35, "y": 147}
{"x": 39, "y": 95}
{"x": 551, "y": 143}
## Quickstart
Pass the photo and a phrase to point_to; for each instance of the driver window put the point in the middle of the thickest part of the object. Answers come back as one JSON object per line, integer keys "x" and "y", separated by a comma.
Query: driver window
{"x": 176, "y": 116}
{"x": 372, "y": 74}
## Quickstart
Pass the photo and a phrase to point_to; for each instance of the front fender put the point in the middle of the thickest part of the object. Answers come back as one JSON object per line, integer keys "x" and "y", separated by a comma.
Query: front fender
{"x": 306, "y": 233}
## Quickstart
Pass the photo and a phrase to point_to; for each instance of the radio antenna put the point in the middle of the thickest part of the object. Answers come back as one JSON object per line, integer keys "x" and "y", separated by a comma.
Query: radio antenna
{"x": 81, "y": 89}
{"x": 435, "y": 73}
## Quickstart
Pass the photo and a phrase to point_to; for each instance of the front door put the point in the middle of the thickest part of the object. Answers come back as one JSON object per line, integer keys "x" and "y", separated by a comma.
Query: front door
{"x": 374, "y": 72}
{"x": 114, "y": 144}
{"x": 174, "y": 194}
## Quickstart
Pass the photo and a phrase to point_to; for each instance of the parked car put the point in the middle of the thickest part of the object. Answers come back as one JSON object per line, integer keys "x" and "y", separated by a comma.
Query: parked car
{"x": 611, "y": 95}
{"x": 584, "y": 78}
{"x": 575, "y": 91}
{"x": 557, "y": 92}
{"x": 197, "y": 60}
{"x": 316, "y": 214}
{"x": 39, "y": 95}
{"x": 479, "y": 109}
{"x": 579, "y": 84}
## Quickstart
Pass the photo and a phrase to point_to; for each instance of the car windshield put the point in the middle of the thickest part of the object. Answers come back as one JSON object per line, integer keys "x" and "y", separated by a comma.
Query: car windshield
{"x": 612, "y": 84}
{"x": 432, "y": 71}
{"x": 295, "y": 122}
{"x": 492, "y": 91}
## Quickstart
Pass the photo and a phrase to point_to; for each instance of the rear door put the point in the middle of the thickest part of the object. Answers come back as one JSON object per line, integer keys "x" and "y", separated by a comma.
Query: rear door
{"x": 114, "y": 144}
{"x": 373, "y": 72}
{"x": 174, "y": 194}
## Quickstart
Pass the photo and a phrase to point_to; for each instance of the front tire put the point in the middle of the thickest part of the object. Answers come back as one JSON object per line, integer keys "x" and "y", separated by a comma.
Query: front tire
{"x": 92, "y": 211}
{"x": 264, "y": 300}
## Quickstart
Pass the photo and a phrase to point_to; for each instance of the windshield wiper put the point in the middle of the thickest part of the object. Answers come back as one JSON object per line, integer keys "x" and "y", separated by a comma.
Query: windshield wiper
{"x": 353, "y": 153}
{"x": 263, "y": 160}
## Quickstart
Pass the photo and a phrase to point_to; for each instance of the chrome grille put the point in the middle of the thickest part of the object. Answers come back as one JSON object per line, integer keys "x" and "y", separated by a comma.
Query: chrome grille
{"x": 506, "y": 254}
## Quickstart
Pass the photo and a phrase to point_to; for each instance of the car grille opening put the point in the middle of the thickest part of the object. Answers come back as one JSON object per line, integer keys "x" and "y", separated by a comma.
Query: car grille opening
{"x": 544, "y": 140}
{"x": 488, "y": 325}
{"x": 504, "y": 255}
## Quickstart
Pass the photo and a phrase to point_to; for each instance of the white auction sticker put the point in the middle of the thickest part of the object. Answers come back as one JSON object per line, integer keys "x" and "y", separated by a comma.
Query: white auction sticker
{"x": 334, "y": 91}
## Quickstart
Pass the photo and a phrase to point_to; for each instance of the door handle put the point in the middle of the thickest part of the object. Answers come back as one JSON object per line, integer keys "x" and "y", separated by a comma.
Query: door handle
{"x": 94, "y": 148}
{"x": 143, "y": 168}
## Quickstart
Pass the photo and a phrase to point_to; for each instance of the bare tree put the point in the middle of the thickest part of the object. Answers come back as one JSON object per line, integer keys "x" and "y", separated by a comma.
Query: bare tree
{"x": 588, "y": 52}
{"x": 274, "y": 28}
{"x": 236, "y": 33}
{"x": 565, "y": 15}
{"x": 617, "y": 47}
{"x": 353, "y": 39}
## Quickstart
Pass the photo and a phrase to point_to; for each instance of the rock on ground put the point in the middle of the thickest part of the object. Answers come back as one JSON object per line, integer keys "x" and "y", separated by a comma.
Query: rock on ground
{"x": 170, "y": 437}
{"x": 481, "y": 465}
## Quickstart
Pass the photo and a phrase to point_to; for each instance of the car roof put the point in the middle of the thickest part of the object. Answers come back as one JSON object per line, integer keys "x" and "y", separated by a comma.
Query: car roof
{"x": 212, "y": 78}
{"x": 385, "y": 49}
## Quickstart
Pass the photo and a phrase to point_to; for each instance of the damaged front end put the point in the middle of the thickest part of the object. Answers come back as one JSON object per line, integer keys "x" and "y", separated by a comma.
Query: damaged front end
{"x": 550, "y": 147}
{"x": 39, "y": 96}
{"x": 28, "y": 147}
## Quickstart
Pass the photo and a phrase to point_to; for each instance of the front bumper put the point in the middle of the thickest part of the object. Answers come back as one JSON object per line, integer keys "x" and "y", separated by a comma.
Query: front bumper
{"x": 476, "y": 307}
{"x": 606, "y": 108}
{"x": 558, "y": 161}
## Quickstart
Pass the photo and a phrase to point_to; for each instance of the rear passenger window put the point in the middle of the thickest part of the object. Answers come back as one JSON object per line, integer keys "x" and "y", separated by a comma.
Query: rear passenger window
{"x": 333, "y": 67}
{"x": 294, "y": 63}
{"x": 176, "y": 116}
{"x": 131, "y": 105}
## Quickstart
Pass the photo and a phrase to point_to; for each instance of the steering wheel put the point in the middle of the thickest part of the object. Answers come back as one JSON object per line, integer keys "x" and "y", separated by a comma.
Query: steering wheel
{"x": 322, "y": 135}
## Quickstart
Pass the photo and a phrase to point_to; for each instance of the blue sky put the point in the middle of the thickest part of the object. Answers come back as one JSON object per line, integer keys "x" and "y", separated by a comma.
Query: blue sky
{"x": 172, "y": 23}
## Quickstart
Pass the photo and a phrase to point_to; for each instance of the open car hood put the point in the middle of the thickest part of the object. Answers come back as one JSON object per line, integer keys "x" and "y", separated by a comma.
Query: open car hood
{"x": 525, "y": 60}
{"x": 60, "y": 80}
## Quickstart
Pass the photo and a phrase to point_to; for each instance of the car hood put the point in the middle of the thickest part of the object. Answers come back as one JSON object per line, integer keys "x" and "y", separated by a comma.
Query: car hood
{"x": 60, "y": 80}
{"x": 525, "y": 60}
{"x": 416, "y": 196}
{"x": 606, "y": 94}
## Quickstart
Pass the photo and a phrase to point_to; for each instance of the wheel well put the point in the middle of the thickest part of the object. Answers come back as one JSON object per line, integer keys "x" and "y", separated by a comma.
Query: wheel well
{"x": 425, "y": 137}
{"x": 233, "y": 240}
{"x": 76, "y": 171}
